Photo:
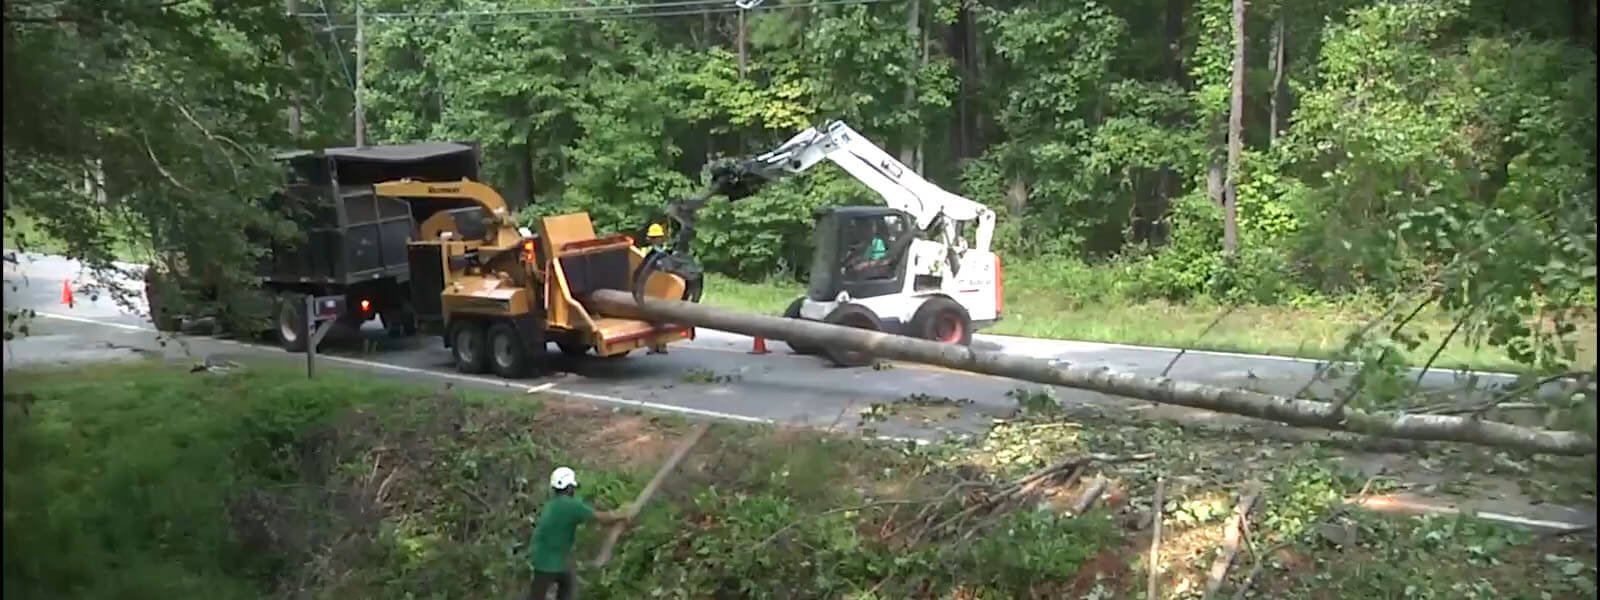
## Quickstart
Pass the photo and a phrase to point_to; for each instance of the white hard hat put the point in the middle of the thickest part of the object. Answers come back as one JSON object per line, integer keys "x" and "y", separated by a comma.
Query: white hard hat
{"x": 563, "y": 478}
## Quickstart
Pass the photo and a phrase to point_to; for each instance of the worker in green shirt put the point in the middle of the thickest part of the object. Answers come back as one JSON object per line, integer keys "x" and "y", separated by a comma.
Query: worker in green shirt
{"x": 551, "y": 546}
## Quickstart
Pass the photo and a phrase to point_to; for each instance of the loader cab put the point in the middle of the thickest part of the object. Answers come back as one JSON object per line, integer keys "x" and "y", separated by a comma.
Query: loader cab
{"x": 860, "y": 250}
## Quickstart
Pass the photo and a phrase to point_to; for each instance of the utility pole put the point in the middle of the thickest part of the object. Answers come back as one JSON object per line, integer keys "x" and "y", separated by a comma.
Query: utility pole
{"x": 293, "y": 7}
{"x": 361, "y": 61}
{"x": 741, "y": 42}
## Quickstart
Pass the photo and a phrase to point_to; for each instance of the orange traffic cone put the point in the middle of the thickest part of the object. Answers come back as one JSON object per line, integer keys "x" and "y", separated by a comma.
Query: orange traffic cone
{"x": 760, "y": 346}
{"x": 66, "y": 293}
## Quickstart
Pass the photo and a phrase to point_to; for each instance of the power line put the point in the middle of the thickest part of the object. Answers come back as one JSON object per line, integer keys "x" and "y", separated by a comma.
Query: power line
{"x": 338, "y": 48}
{"x": 596, "y": 13}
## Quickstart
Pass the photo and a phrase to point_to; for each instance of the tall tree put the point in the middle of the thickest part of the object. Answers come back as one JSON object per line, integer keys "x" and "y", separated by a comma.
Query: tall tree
{"x": 1230, "y": 206}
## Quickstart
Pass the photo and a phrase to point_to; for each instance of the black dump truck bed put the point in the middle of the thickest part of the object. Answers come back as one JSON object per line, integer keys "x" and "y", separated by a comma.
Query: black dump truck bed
{"x": 352, "y": 236}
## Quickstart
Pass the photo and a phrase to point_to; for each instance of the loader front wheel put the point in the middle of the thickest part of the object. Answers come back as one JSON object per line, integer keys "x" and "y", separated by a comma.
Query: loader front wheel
{"x": 467, "y": 345}
{"x": 850, "y": 315}
{"x": 508, "y": 354}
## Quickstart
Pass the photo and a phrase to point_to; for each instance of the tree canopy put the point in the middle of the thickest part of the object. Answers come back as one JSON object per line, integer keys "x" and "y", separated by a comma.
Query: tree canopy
{"x": 1442, "y": 151}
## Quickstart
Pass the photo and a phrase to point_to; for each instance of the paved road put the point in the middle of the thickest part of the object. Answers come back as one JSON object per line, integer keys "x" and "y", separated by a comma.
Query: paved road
{"x": 779, "y": 388}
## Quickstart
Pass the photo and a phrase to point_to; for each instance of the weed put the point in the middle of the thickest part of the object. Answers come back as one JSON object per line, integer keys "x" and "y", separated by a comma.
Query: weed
{"x": 1038, "y": 402}
{"x": 708, "y": 376}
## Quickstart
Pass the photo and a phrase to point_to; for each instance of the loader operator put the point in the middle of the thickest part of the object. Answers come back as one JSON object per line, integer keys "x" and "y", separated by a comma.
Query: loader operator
{"x": 871, "y": 251}
{"x": 551, "y": 546}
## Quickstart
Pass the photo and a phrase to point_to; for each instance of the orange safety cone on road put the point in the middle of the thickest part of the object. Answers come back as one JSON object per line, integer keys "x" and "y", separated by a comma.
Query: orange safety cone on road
{"x": 760, "y": 346}
{"x": 66, "y": 293}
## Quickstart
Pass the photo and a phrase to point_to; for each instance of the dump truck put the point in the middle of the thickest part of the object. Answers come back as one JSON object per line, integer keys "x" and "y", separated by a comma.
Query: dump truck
{"x": 498, "y": 295}
{"x": 354, "y": 242}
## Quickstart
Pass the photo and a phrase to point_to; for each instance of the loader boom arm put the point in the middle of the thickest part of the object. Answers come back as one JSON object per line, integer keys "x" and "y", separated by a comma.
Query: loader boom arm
{"x": 899, "y": 186}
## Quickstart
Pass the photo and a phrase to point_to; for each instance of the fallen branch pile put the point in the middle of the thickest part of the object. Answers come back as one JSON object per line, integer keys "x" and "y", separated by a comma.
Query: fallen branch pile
{"x": 986, "y": 503}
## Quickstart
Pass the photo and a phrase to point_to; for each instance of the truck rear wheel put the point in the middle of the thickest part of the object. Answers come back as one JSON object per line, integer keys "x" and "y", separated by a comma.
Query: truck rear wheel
{"x": 793, "y": 312}
{"x": 468, "y": 347}
{"x": 291, "y": 323}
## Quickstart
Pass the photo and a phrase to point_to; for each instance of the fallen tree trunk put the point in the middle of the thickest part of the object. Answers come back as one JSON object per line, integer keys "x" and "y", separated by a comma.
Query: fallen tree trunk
{"x": 1300, "y": 413}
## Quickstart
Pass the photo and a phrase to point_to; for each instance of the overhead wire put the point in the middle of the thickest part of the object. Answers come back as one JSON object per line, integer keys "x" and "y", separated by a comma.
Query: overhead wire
{"x": 594, "y": 13}
{"x": 333, "y": 34}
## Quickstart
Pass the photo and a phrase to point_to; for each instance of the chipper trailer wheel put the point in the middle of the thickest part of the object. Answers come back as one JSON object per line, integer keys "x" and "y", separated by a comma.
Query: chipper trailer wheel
{"x": 468, "y": 346}
{"x": 510, "y": 356}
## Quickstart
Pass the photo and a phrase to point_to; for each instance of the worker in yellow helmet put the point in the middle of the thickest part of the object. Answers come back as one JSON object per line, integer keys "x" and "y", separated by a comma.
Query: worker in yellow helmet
{"x": 656, "y": 237}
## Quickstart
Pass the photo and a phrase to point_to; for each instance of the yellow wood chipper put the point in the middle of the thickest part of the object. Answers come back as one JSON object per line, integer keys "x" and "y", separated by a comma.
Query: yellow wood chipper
{"x": 499, "y": 293}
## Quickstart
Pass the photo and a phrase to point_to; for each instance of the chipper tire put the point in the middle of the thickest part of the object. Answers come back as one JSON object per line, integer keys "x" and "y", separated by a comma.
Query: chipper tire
{"x": 469, "y": 347}
{"x": 793, "y": 312}
{"x": 510, "y": 356}
{"x": 850, "y": 315}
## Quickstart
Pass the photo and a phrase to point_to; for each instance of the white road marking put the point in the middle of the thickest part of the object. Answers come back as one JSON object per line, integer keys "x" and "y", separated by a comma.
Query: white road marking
{"x": 549, "y": 388}
{"x": 123, "y": 326}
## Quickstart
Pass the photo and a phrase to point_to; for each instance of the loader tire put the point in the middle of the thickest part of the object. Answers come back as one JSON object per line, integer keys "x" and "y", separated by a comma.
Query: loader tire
{"x": 793, "y": 312}
{"x": 291, "y": 323}
{"x": 468, "y": 346}
{"x": 859, "y": 317}
{"x": 941, "y": 319}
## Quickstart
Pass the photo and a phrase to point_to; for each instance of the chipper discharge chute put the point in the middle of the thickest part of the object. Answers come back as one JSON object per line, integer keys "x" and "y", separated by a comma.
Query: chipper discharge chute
{"x": 499, "y": 293}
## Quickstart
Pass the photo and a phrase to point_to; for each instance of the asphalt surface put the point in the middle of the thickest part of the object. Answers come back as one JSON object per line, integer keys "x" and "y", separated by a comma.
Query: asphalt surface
{"x": 778, "y": 387}
{"x": 713, "y": 376}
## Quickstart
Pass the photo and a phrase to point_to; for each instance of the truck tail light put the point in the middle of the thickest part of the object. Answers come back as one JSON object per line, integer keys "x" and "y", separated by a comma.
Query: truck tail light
{"x": 999, "y": 286}
{"x": 366, "y": 305}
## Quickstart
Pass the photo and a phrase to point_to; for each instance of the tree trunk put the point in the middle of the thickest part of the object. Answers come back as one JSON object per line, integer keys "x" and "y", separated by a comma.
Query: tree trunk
{"x": 913, "y": 137}
{"x": 1230, "y": 197}
{"x": 295, "y": 126}
{"x": 1167, "y": 177}
{"x": 1274, "y": 114}
{"x": 1301, "y": 413}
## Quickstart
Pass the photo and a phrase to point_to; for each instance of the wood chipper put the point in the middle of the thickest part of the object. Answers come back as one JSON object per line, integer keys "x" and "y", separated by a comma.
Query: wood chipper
{"x": 498, "y": 293}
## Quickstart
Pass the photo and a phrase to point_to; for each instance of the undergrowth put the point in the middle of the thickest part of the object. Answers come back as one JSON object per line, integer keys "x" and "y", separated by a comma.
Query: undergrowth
{"x": 146, "y": 481}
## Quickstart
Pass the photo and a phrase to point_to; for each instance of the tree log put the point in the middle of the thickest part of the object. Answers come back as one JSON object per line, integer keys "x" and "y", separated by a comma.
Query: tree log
{"x": 604, "y": 555}
{"x": 1163, "y": 390}
{"x": 1233, "y": 531}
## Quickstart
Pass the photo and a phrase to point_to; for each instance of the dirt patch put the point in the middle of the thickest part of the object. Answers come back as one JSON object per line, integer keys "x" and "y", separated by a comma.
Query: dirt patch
{"x": 1108, "y": 570}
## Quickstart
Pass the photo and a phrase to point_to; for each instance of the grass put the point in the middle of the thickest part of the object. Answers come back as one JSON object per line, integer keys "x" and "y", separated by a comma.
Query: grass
{"x": 23, "y": 232}
{"x": 142, "y": 480}
{"x": 1036, "y": 306}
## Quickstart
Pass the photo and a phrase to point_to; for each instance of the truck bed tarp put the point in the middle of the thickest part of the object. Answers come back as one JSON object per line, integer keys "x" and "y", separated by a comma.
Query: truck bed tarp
{"x": 395, "y": 153}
